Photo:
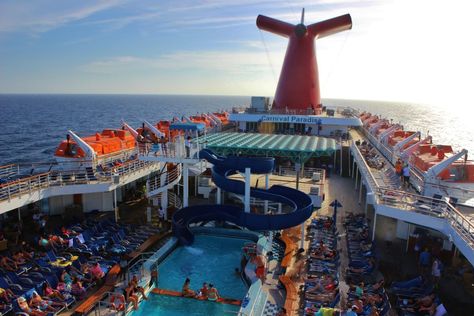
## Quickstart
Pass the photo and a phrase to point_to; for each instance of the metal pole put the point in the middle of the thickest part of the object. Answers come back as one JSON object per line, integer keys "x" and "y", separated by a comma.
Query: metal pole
{"x": 247, "y": 190}
{"x": 340, "y": 162}
{"x": 353, "y": 168}
{"x": 185, "y": 185}
{"x": 297, "y": 180}
{"x": 267, "y": 185}
{"x": 375, "y": 224}
{"x": 218, "y": 196}
{"x": 115, "y": 206}
{"x": 302, "y": 235}
{"x": 357, "y": 178}
{"x": 360, "y": 192}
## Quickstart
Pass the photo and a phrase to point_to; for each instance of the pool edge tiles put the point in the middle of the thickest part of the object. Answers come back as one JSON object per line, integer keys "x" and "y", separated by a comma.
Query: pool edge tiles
{"x": 158, "y": 305}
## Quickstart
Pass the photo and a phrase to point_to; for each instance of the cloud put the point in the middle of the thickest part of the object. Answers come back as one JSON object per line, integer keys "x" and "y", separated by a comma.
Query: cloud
{"x": 43, "y": 15}
{"x": 122, "y": 21}
{"x": 232, "y": 63}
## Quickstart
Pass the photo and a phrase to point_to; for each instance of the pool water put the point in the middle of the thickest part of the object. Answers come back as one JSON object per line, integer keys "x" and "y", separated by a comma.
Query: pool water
{"x": 179, "y": 306}
{"x": 210, "y": 259}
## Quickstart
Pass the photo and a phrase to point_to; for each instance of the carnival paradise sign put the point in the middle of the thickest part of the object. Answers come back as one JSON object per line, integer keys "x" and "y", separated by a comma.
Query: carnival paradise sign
{"x": 303, "y": 119}
{"x": 291, "y": 119}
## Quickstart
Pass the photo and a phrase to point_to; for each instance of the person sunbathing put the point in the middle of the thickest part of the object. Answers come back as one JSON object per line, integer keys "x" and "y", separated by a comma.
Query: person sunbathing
{"x": 49, "y": 292}
{"x": 37, "y": 301}
{"x": 321, "y": 297}
{"x": 25, "y": 308}
{"x": 18, "y": 258}
{"x": 97, "y": 272}
{"x": 372, "y": 299}
{"x": 138, "y": 288}
{"x": 365, "y": 269}
{"x": 8, "y": 264}
{"x": 131, "y": 296}
{"x": 6, "y": 295}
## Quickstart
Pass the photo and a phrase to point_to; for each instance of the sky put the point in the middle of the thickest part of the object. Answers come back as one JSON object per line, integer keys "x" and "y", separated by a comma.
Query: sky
{"x": 399, "y": 50}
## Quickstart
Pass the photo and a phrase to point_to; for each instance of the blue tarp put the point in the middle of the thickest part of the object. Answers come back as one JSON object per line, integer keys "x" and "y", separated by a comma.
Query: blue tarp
{"x": 187, "y": 126}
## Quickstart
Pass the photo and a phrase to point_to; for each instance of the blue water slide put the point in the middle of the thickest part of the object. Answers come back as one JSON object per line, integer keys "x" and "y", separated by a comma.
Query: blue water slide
{"x": 300, "y": 202}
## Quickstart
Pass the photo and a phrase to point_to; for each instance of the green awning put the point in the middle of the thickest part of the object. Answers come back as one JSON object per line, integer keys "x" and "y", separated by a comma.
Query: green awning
{"x": 298, "y": 148}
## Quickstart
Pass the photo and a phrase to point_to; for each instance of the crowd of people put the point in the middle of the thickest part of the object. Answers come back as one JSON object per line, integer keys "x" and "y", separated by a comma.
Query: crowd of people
{"x": 207, "y": 291}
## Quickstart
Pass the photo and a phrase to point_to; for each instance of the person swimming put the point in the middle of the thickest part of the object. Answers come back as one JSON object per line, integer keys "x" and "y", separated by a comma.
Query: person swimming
{"x": 186, "y": 291}
{"x": 204, "y": 290}
{"x": 212, "y": 294}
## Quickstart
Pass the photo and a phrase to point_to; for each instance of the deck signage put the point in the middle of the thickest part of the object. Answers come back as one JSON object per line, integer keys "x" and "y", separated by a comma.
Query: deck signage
{"x": 290, "y": 119}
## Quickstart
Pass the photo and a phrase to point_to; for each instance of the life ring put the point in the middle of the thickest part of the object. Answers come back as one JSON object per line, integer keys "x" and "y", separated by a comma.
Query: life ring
{"x": 121, "y": 302}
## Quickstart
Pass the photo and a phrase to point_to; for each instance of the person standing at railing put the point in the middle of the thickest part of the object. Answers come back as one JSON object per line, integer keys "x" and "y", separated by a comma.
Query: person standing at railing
{"x": 164, "y": 147}
{"x": 187, "y": 145}
{"x": 399, "y": 169}
{"x": 406, "y": 175}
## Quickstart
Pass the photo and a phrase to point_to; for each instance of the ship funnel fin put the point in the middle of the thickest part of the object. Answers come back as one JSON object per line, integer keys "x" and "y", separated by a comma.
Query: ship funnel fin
{"x": 331, "y": 26}
{"x": 275, "y": 26}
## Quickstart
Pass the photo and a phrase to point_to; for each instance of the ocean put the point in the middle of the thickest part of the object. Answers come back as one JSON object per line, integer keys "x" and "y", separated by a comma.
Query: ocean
{"x": 33, "y": 125}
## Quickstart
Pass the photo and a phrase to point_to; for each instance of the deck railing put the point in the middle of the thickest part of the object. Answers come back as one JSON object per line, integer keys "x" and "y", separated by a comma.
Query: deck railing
{"x": 439, "y": 208}
{"x": 175, "y": 149}
{"x": 164, "y": 178}
{"x": 306, "y": 172}
{"x": 9, "y": 170}
{"x": 363, "y": 167}
{"x": 45, "y": 180}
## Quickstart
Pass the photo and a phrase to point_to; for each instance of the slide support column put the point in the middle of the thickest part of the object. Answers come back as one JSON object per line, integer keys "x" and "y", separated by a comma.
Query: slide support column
{"x": 185, "y": 185}
{"x": 267, "y": 185}
{"x": 247, "y": 190}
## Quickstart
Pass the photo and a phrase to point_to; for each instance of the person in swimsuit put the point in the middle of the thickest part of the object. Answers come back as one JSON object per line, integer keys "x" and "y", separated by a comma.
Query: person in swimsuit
{"x": 97, "y": 272}
{"x": 23, "y": 304}
{"x": 130, "y": 296}
{"x": 187, "y": 292}
{"x": 204, "y": 290}
{"x": 259, "y": 262}
{"x": 48, "y": 291}
{"x": 212, "y": 294}
{"x": 44, "y": 305}
{"x": 8, "y": 264}
{"x": 6, "y": 295}
{"x": 138, "y": 288}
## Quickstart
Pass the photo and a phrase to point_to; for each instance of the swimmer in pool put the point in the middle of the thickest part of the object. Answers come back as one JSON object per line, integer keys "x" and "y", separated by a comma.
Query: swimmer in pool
{"x": 212, "y": 294}
{"x": 204, "y": 291}
{"x": 187, "y": 292}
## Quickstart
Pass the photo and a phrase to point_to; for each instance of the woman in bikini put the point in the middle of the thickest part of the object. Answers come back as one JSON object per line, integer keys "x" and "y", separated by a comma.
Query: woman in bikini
{"x": 186, "y": 291}
{"x": 23, "y": 304}
{"x": 212, "y": 293}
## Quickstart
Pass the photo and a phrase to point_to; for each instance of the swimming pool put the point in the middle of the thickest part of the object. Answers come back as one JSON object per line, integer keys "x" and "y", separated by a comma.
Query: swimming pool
{"x": 179, "y": 306}
{"x": 210, "y": 259}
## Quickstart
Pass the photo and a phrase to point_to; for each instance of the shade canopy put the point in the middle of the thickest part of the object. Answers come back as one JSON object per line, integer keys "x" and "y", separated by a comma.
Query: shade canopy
{"x": 298, "y": 148}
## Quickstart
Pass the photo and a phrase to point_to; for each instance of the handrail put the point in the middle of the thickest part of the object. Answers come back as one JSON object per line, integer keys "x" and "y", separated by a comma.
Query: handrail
{"x": 29, "y": 184}
{"x": 171, "y": 176}
{"x": 306, "y": 172}
{"x": 438, "y": 208}
{"x": 174, "y": 149}
{"x": 358, "y": 156}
